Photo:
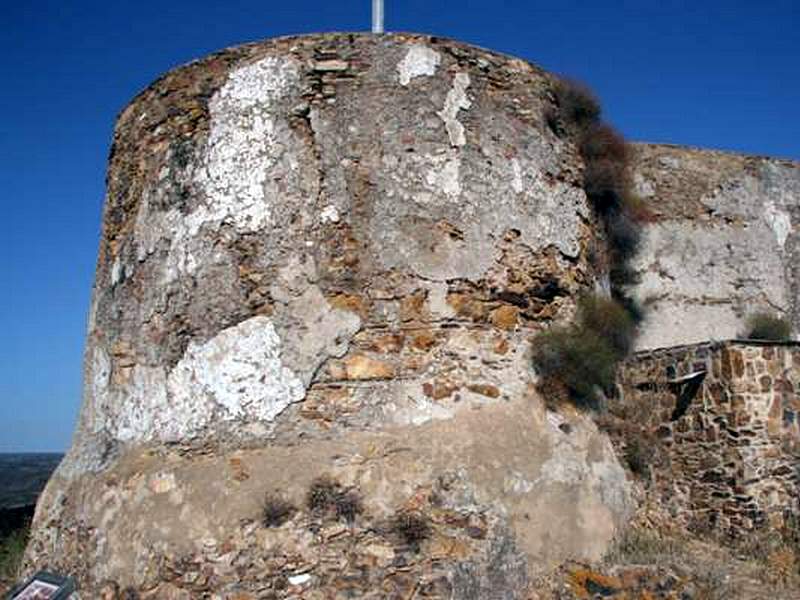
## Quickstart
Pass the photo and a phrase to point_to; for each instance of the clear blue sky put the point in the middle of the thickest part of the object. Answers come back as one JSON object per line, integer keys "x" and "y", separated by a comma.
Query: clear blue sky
{"x": 718, "y": 74}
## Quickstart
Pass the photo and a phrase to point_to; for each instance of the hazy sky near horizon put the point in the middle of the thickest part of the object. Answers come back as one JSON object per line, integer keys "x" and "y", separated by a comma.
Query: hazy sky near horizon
{"x": 717, "y": 74}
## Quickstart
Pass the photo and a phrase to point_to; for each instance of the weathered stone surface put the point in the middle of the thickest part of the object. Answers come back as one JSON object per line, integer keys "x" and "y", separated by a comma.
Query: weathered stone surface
{"x": 725, "y": 243}
{"x": 326, "y": 255}
{"x": 728, "y": 442}
{"x": 514, "y": 470}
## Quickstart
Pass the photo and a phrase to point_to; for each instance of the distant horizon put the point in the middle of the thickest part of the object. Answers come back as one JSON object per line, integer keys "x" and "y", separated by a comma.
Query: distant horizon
{"x": 717, "y": 76}
{"x": 35, "y": 453}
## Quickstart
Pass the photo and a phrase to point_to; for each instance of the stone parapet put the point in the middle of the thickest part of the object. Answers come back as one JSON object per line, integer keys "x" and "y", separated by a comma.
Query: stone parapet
{"x": 723, "y": 242}
{"x": 725, "y": 415}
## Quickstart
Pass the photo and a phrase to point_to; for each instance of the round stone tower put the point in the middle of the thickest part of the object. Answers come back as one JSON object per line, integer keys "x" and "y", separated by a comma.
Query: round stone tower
{"x": 324, "y": 257}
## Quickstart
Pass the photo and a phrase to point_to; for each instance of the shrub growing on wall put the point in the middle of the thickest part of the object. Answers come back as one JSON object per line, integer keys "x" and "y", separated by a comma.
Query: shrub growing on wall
{"x": 275, "y": 510}
{"x": 578, "y": 107}
{"x": 581, "y": 358}
{"x": 325, "y": 496}
{"x": 607, "y": 319}
{"x": 604, "y": 184}
{"x": 602, "y": 142}
{"x": 765, "y": 326}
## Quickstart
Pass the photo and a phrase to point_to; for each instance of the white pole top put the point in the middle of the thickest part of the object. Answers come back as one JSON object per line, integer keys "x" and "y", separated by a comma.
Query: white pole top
{"x": 377, "y": 16}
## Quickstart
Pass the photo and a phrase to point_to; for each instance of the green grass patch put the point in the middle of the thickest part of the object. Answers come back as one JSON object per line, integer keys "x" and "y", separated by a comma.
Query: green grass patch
{"x": 12, "y": 548}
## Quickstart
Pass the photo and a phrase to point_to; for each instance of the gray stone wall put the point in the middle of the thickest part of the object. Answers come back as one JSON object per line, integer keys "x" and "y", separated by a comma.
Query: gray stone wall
{"x": 286, "y": 217}
{"x": 724, "y": 242}
{"x": 327, "y": 255}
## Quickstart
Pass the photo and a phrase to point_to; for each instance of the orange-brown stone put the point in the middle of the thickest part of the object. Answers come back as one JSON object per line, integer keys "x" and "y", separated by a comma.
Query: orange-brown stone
{"x": 361, "y": 367}
{"x": 391, "y": 342}
{"x": 439, "y": 390}
{"x": 468, "y": 307}
{"x": 350, "y": 302}
{"x": 412, "y": 307}
{"x": 423, "y": 340}
{"x": 505, "y": 317}
{"x": 501, "y": 346}
{"x": 484, "y": 389}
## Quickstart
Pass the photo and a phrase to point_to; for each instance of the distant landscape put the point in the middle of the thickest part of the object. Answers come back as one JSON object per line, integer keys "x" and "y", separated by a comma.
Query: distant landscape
{"x": 23, "y": 477}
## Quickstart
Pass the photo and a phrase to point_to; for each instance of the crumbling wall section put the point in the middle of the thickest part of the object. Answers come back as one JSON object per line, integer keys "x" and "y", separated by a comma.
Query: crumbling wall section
{"x": 340, "y": 213}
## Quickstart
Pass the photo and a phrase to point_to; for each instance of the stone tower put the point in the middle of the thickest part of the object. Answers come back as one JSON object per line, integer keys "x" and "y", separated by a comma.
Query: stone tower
{"x": 325, "y": 256}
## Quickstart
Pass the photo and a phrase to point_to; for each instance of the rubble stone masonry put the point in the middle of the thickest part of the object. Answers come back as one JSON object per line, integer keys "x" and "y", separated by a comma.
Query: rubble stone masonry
{"x": 725, "y": 415}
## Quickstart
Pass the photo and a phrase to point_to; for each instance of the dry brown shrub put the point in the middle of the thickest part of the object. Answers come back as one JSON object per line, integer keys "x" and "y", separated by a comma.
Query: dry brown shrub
{"x": 578, "y": 105}
{"x": 603, "y": 142}
{"x": 605, "y": 183}
{"x": 275, "y": 510}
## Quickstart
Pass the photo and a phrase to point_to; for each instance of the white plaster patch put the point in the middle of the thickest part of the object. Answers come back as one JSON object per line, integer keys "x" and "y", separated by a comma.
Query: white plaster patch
{"x": 446, "y": 179}
{"x": 779, "y": 221}
{"x": 243, "y": 147}
{"x": 299, "y": 579}
{"x": 329, "y": 214}
{"x": 516, "y": 483}
{"x": 419, "y": 60}
{"x": 238, "y": 374}
{"x": 643, "y": 187}
{"x": 437, "y": 301}
{"x": 116, "y": 272}
{"x": 145, "y": 411}
{"x": 101, "y": 372}
{"x": 240, "y": 370}
{"x": 516, "y": 176}
{"x": 416, "y": 409}
{"x": 242, "y": 142}
{"x": 455, "y": 101}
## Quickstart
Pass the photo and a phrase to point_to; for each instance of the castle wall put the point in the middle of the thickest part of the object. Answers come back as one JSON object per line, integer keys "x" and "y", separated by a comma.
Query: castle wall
{"x": 327, "y": 256}
{"x": 724, "y": 242}
{"x": 339, "y": 214}
{"x": 725, "y": 415}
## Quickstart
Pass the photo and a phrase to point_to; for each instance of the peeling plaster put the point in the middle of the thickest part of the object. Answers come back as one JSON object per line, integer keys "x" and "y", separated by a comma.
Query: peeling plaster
{"x": 455, "y": 101}
{"x": 329, "y": 214}
{"x": 299, "y": 579}
{"x": 242, "y": 142}
{"x": 418, "y": 61}
{"x": 238, "y": 374}
{"x": 117, "y": 272}
{"x": 516, "y": 176}
{"x": 243, "y": 145}
{"x": 446, "y": 179}
{"x": 241, "y": 370}
{"x": 779, "y": 222}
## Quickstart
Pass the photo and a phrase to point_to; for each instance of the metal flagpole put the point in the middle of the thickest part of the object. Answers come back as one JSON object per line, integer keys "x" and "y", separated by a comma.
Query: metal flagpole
{"x": 377, "y": 16}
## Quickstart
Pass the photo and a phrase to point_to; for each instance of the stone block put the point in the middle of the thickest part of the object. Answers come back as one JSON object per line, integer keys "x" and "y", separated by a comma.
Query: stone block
{"x": 484, "y": 389}
{"x": 505, "y": 317}
{"x": 361, "y": 367}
